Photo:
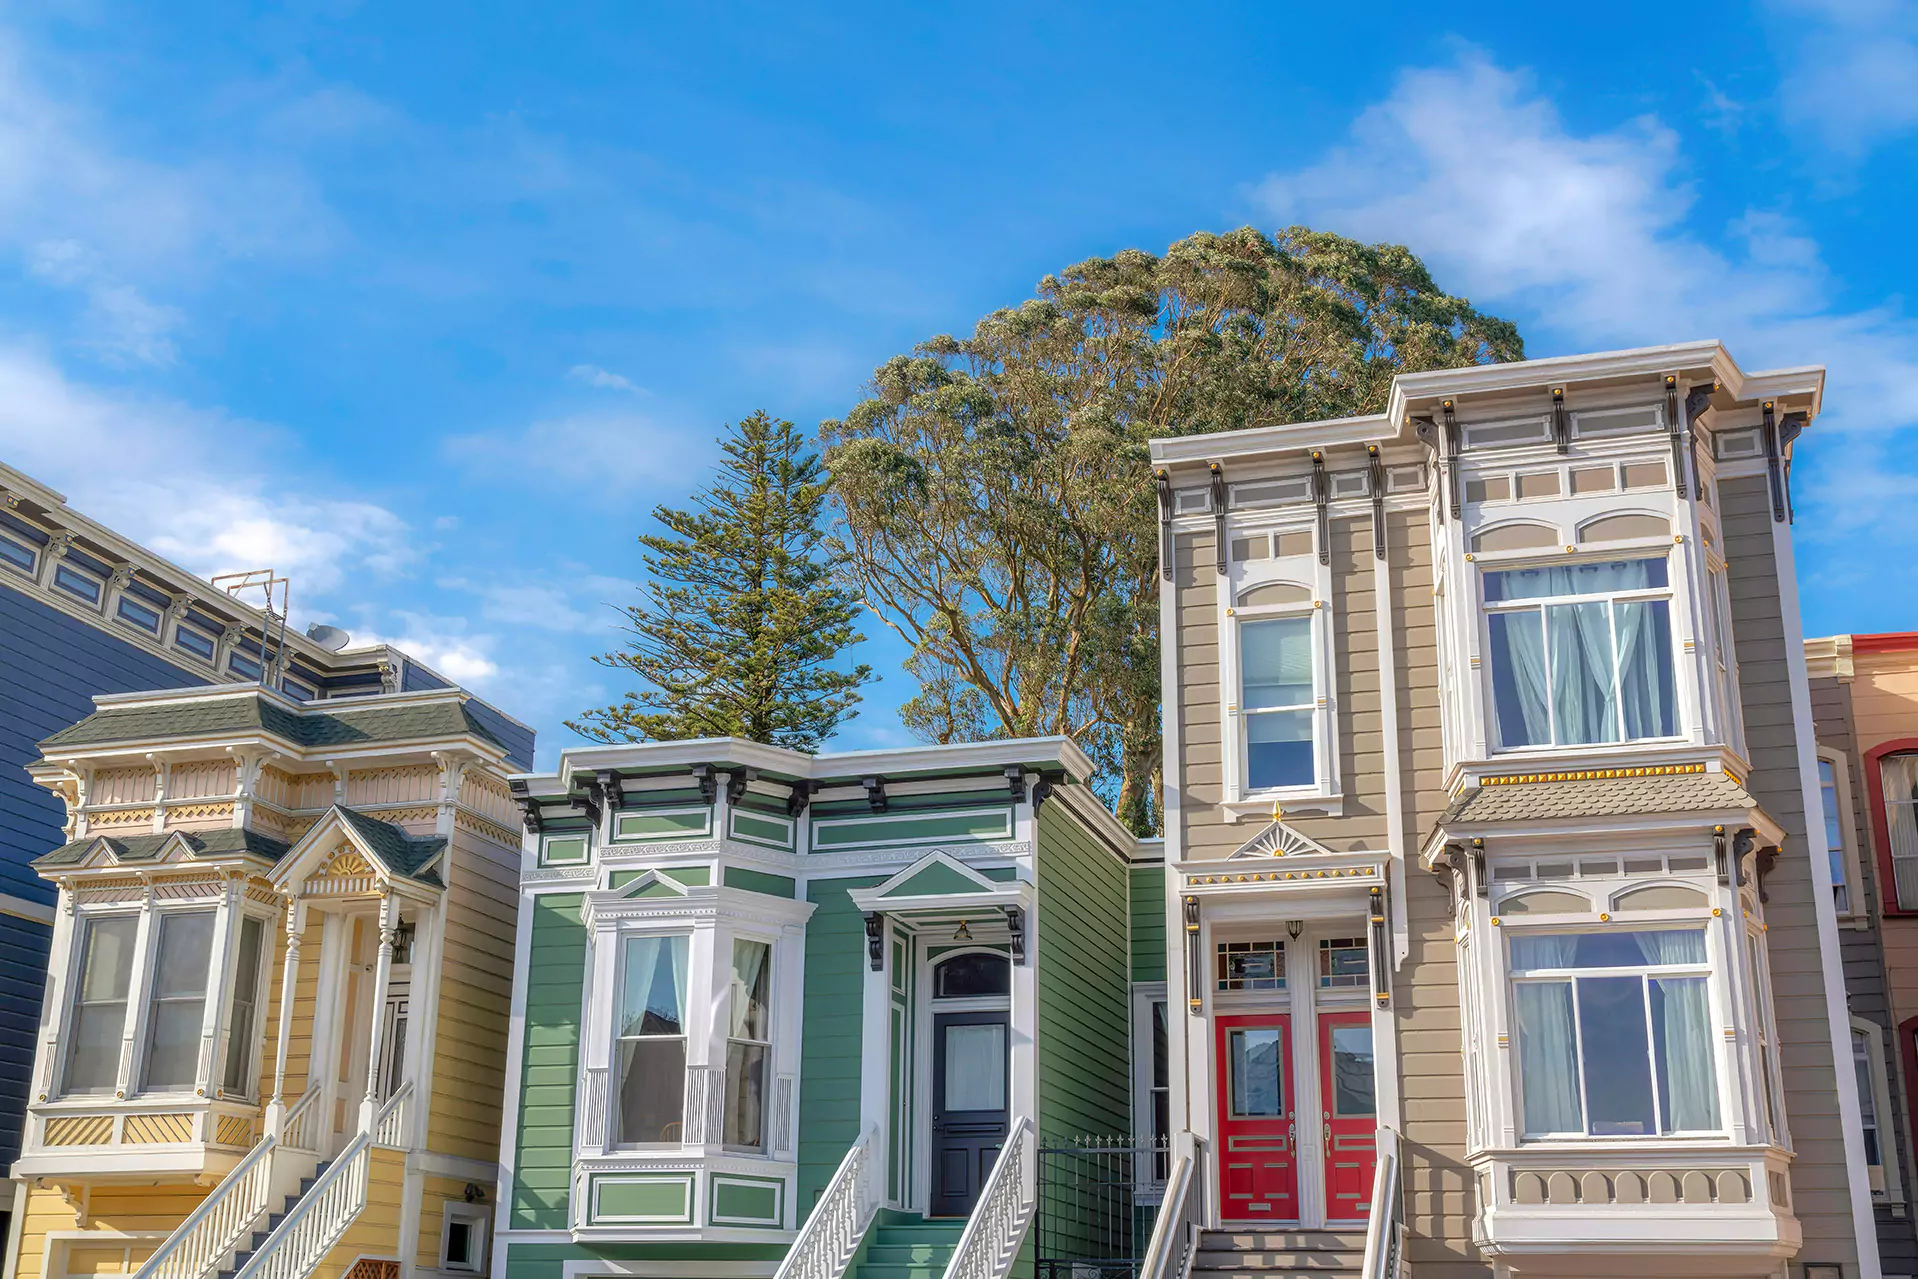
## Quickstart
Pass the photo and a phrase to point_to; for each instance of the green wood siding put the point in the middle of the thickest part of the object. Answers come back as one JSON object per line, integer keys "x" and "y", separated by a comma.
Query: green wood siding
{"x": 549, "y": 1064}
{"x": 1148, "y": 923}
{"x": 829, "y": 1050}
{"x": 548, "y": 1260}
{"x": 1084, "y": 983}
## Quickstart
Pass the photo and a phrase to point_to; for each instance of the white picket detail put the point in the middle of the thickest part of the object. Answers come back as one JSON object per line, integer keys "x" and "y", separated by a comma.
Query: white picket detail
{"x": 990, "y": 1242}
{"x": 200, "y": 1245}
{"x": 301, "y": 1129}
{"x": 394, "y": 1125}
{"x": 831, "y": 1235}
{"x": 317, "y": 1221}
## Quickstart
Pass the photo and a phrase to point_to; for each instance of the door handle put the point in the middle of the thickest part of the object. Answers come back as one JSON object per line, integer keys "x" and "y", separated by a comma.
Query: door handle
{"x": 1292, "y": 1138}
{"x": 1328, "y": 1130}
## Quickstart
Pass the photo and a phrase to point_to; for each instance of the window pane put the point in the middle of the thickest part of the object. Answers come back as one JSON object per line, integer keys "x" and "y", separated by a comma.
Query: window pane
{"x": 100, "y": 1011}
{"x": 1519, "y": 691}
{"x": 1342, "y": 963}
{"x": 1251, "y": 965}
{"x": 179, "y": 1001}
{"x": 1900, "y": 776}
{"x": 1600, "y": 578}
{"x": 1834, "y": 834}
{"x": 1258, "y": 1080}
{"x": 1584, "y": 703}
{"x": 173, "y": 1042}
{"x": 186, "y": 948}
{"x": 1278, "y": 749}
{"x": 1161, "y": 1051}
{"x": 246, "y": 992}
{"x": 1616, "y": 1057}
{"x": 1352, "y": 1094}
{"x": 975, "y": 1056}
{"x": 745, "y": 1094}
{"x": 1645, "y": 679}
{"x": 752, "y": 977}
{"x": 93, "y": 1060}
{"x": 1548, "y": 1057}
{"x": 970, "y": 975}
{"x": 652, "y": 1090}
{"x": 1275, "y": 662}
{"x": 1681, "y": 1036}
{"x": 1867, "y": 1095}
{"x": 653, "y": 986}
{"x": 459, "y": 1244}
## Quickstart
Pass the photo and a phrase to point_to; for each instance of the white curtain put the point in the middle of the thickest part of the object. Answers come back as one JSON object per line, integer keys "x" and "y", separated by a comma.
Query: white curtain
{"x": 1687, "y": 1080}
{"x": 1899, "y": 774}
{"x": 749, "y": 990}
{"x": 1518, "y": 679}
{"x": 1548, "y": 1057}
{"x": 652, "y": 997}
{"x": 1584, "y": 696}
{"x": 1645, "y": 669}
{"x": 1544, "y": 950}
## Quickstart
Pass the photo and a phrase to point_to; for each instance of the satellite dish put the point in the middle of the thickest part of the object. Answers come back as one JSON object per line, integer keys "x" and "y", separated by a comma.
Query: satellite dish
{"x": 330, "y": 638}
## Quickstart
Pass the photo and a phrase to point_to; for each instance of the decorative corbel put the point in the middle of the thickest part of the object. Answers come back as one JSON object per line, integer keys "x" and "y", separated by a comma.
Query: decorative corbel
{"x": 1743, "y": 842}
{"x": 1016, "y": 926}
{"x": 389, "y": 677}
{"x": 1194, "y": 971}
{"x": 1162, "y": 480}
{"x": 1561, "y": 421}
{"x": 737, "y": 779}
{"x": 529, "y": 806}
{"x": 609, "y": 787}
{"x": 876, "y": 941}
{"x": 1789, "y": 429}
{"x": 1322, "y": 499}
{"x": 800, "y": 797}
{"x": 708, "y": 782}
{"x": 1763, "y": 862}
{"x": 1015, "y": 775}
{"x": 1381, "y": 980}
{"x": 589, "y": 798}
{"x": 1375, "y": 481}
{"x": 1675, "y": 433}
{"x": 875, "y": 793}
{"x": 1698, "y": 401}
{"x": 1481, "y": 882}
{"x": 1218, "y": 512}
{"x": 1041, "y": 791}
{"x": 1718, "y": 856}
{"x": 1454, "y": 489}
{"x": 1450, "y": 866}
{"x": 1774, "y": 462}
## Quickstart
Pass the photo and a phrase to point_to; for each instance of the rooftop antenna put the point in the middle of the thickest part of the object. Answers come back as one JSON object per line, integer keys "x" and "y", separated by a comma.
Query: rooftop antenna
{"x": 273, "y": 593}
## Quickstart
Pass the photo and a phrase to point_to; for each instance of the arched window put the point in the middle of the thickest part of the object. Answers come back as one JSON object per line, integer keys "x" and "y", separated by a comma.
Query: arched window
{"x": 970, "y": 975}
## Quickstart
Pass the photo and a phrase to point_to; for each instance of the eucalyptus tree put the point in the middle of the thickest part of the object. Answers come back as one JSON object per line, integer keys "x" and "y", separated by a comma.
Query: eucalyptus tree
{"x": 993, "y": 498}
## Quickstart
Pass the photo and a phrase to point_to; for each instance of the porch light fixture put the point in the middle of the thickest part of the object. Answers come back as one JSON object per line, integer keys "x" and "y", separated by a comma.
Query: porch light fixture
{"x": 964, "y": 933}
{"x": 1293, "y": 927}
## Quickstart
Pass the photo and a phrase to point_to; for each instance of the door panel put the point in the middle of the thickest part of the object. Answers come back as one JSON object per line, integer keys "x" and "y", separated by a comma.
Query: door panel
{"x": 1258, "y": 1130}
{"x": 1350, "y": 1114}
{"x": 969, "y": 1112}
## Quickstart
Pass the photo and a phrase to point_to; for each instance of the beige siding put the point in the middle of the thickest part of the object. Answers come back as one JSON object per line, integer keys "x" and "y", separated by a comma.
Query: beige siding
{"x": 1821, "y": 1192}
{"x": 476, "y": 985}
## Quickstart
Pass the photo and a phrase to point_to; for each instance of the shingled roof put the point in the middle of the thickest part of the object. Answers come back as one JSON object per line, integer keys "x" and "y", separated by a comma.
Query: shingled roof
{"x": 1611, "y": 792}
{"x": 137, "y": 848}
{"x": 230, "y": 715}
{"x": 402, "y": 854}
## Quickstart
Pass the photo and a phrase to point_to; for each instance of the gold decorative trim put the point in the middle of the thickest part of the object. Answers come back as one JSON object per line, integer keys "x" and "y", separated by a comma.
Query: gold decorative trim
{"x": 1274, "y": 876}
{"x": 1593, "y": 774}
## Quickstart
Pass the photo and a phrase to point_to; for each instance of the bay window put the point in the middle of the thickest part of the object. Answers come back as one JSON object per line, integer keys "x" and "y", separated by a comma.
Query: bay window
{"x": 651, "y": 1031}
{"x": 180, "y": 977}
{"x": 1581, "y": 654}
{"x": 748, "y": 1045}
{"x": 104, "y": 976}
{"x": 1614, "y": 1033}
{"x": 1277, "y": 702}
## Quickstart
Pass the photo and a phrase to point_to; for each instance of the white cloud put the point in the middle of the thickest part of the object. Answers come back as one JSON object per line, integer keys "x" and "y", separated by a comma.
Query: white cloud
{"x": 120, "y": 323}
{"x": 187, "y": 482}
{"x": 543, "y": 605}
{"x": 593, "y": 375}
{"x": 603, "y": 454}
{"x": 1853, "y": 80}
{"x": 442, "y": 643}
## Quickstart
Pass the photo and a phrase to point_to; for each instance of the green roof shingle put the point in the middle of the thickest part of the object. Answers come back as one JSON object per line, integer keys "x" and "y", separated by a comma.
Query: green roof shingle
{"x": 227, "y": 716}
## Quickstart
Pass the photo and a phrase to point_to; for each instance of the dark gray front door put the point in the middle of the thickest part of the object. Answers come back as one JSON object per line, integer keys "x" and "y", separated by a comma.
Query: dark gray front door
{"x": 969, "y": 1116}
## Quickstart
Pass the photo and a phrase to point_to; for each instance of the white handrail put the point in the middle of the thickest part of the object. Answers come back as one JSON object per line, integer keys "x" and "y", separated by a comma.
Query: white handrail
{"x": 991, "y": 1239}
{"x": 300, "y": 1130}
{"x": 1385, "y": 1229}
{"x": 200, "y": 1244}
{"x": 830, "y": 1238}
{"x": 318, "y": 1220}
{"x": 393, "y": 1126}
{"x": 1175, "y": 1233}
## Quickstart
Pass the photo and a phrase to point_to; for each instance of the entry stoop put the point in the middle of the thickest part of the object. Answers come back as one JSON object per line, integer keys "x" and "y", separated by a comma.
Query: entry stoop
{"x": 1303, "y": 1254}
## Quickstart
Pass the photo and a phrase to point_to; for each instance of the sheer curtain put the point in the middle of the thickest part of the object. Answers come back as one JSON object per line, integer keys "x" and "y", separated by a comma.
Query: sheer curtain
{"x": 1681, "y": 1031}
{"x": 645, "y": 1007}
{"x": 1547, "y": 1043}
{"x": 1645, "y": 669}
{"x": 1899, "y": 774}
{"x": 749, "y": 989}
{"x": 1584, "y": 696}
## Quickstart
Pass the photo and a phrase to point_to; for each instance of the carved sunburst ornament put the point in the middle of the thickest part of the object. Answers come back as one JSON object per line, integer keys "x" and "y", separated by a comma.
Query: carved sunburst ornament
{"x": 347, "y": 864}
{"x": 1279, "y": 840}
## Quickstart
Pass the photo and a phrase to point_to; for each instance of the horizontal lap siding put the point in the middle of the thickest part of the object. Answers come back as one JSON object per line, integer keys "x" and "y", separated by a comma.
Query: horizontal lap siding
{"x": 475, "y": 994}
{"x": 1084, "y": 967}
{"x": 830, "y": 1045}
{"x": 1148, "y": 922}
{"x": 376, "y": 1231}
{"x": 549, "y": 1068}
{"x": 1821, "y": 1192}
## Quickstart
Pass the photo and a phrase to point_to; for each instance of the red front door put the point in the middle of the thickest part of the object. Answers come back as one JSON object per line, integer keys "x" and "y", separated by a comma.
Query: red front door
{"x": 1351, "y": 1114}
{"x": 1258, "y": 1124}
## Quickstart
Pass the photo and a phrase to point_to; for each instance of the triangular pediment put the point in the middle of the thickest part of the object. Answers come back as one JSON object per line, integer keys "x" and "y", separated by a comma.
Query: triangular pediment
{"x": 1280, "y": 840}
{"x": 101, "y": 854}
{"x": 937, "y": 875}
{"x": 652, "y": 884}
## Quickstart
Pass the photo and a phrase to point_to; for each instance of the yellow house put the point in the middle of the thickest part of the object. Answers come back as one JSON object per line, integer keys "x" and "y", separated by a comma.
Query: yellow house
{"x": 225, "y": 846}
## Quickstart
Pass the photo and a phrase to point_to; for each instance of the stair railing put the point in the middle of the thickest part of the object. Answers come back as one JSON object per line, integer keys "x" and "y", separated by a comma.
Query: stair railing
{"x": 1175, "y": 1232}
{"x": 1385, "y": 1230}
{"x": 830, "y": 1238}
{"x": 990, "y": 1242}
{"x": 200, "y": 1245}
{"x": 328, "y": 1207}
{"x": 300, "y": 1130}
{"x": 394, "y": 1126}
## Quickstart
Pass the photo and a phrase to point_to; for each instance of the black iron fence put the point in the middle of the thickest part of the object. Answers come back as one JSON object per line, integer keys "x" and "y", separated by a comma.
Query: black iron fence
{"x": 1098, "y": 1198}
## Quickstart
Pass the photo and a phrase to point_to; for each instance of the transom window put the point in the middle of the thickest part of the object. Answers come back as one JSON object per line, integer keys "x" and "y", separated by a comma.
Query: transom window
{"x": 1277, "y": 702}
{"x": 973, "y": 974}
{"x": 1581, "y": 653}
{"x": 1614, "y": 1033}
{"x": 652, "y": 1040}
{"x": 1342, "y": 964}
{"x": 1252, "y": 965}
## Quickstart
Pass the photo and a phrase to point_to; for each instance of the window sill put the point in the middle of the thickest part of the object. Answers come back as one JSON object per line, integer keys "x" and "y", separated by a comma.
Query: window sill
{"x": 1326, "y": 803}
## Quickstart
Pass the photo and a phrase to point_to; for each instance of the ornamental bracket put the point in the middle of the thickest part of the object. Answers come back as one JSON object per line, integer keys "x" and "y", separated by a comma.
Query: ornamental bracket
{"x": 1718, "y": 856}
{"x": 1675, "y": 431}
{"x": 1789, "y": 429}
{"x": 737, "y": 779}
{"x": 1697, "y": 401}
{"x": 1322, "y": 498}
{"x": 1194, "y": 975}
{"x": 1016, "y": 926}
{"x": 529, "y": 806}
{"x": 708, "y": 782}
{"x": 1773, "y": 462}
{"x": 875, "y": 793}
{"x": 1743, "y": 844}
{"x": 609, "y": 785}
{"x": 1561, "y": 421}
{"x": 1450, "y": 863}
{"x": 1218, "y": 512}
{"x": 588, "y": 800}
{"x": 1375, "y": 480}
{"x": 1453, "y": 487}
{"x": 876, "y": 942}
{"x": 1162, "y": 480}
{"x": 1481, "y": 882}
{"x": 801, "y": 796}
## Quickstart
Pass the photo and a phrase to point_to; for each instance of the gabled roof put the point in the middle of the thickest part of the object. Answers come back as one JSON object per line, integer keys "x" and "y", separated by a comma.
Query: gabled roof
{"x": 402, "y": 855}
{"x": 1598, "y": 793}
{"x": 141, "y": 848}
{"x": 245, "y": 714}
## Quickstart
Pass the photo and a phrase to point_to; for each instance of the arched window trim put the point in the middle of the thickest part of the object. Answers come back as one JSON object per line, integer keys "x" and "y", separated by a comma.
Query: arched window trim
{"x": 1889, "y": 902}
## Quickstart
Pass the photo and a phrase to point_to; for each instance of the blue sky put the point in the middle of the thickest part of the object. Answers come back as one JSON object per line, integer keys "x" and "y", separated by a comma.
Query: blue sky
{"x": 430, "y": 307}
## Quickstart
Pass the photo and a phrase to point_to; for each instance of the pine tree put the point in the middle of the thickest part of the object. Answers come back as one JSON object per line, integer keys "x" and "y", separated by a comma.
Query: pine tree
{"x": 737, "y": 631}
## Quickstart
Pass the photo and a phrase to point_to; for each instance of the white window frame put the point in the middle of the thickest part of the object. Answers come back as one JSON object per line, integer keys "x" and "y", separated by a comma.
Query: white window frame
{"x": 689, "y": 1027}
{"x": 1845, "y": 856}
{"x": 477, "y": 1217}
{"x": 1670, "y": 593}
{"x": 1324, "y": 781}
{"x": 1893, "y": 890}
{"x": 76, "y": 983}
{"x": 1706, "y": 968}
{"x": 1724, "y": 655}
{"x": 769, "y": 1079}
{"x": 1887, "y": 1184}
{"x": 1146, "y": 994}
{"x": 256, "y": 1038}
{"x": 32, "y": 568}
{"x": 148, "y": 990}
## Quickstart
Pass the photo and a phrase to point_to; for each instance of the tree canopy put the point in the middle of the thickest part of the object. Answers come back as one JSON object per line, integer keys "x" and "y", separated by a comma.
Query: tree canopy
{"x": 738, "y": 628}
{"x": 993, "y": 495}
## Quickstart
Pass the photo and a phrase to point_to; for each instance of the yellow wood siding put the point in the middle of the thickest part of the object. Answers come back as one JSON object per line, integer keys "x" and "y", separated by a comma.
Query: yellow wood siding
{"x": 476, "y": 985}
{"x": 435, "y": 1193}
{"x": 376, "y": 1231}
{"x": 148, "y": 1211}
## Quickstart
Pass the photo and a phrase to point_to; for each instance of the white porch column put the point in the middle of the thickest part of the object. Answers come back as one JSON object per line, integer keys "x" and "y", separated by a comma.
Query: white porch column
{"x": 289, "y": 979}
{"x": 382, "y": 980}
{"x": 875, "y": 1034}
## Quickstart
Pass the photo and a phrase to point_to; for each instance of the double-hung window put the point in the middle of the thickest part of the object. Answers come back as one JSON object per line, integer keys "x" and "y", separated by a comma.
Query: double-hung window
{"x": 104, "y": 976}
{"x": 1581, "y": 653}
{"x": 652, "y": 1039}
{"x": 1837, "y": 814}
{"x": 243, "y": 1024}
{"x": 1614, "y": 1033}
{"x": 180, "y": 975}
{"x": 1899, "y": 775}
{"x": 1277, "y": 702}
{"x": 748, "y": 1045}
